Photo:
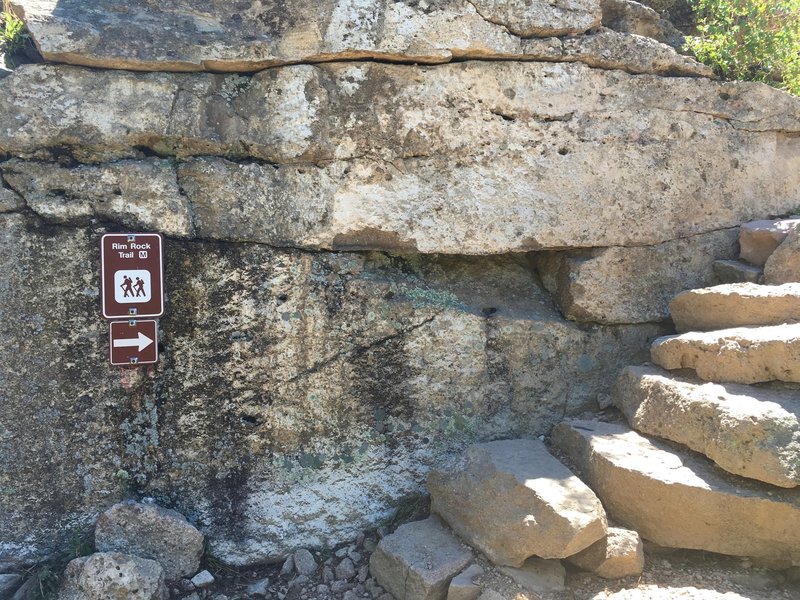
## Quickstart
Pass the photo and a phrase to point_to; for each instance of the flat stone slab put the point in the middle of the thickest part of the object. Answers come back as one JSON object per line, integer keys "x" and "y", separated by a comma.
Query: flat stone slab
{"x": 538, "y": 575}
{"x": 737, "y": 271}
{"x": 736, "y": 305}
{"x": 538, "y": 506}
{"x": 308, "y": 148}
{"x": 418, "y": 560}
{"x": 747, "y": 431}
{"x": 255, "y": 36}
{"x": 759, "y": 239}
{"x": 596, "y": 285}
{"x": 619, "y": 554}
{"x": 738, "y": 355}
{"x": 679, "y": 500}
{"x": 783, "y": 265}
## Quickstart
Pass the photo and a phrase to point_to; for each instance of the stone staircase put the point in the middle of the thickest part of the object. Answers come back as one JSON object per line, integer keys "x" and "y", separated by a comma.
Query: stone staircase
{"x": 709, "y": 458}
{"x": 712, "y": 461}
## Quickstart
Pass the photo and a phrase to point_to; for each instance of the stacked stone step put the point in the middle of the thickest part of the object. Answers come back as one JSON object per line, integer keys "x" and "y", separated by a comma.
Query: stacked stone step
{"x": 713, "y": 459}
{"x": 522, "y": 509}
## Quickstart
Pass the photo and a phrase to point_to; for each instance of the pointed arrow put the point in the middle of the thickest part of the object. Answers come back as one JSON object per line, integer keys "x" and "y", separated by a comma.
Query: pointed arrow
{"x": 142, "y": 342}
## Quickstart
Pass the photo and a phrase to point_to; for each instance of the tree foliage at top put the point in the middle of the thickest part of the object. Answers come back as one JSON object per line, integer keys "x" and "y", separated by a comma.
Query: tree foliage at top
{"x": 754, "y": 40}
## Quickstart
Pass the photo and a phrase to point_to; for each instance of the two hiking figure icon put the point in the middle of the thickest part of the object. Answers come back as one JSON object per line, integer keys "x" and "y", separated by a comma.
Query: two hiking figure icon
{"x": 132, "y": 286}
{"x": 128, "y": 287}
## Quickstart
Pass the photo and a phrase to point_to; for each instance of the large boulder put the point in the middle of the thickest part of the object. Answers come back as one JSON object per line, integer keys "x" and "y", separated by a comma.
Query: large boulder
{"x": 736, "y": 305}
{"x": 783, "y": 265}
{"x": 739, "y": 355}
{"x": 418, "y": 561}
{"x": 154, "y": 532}
{"x": 538, "y": 507}
{"x": 441, "y": 146}
{"x": 113, "y": 576}
{"x": 747, "y": 431}
{"x": 680, "y": 500}
{"x": 275, "y": 366}
{"x": 597, "y": 285}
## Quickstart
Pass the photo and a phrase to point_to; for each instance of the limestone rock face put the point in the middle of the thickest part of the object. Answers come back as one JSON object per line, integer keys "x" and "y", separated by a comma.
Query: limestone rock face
{"x": 681, "y": 501}
{"x": 136, "y": 194}
{"x": 113, "y": 576}
{"x": 441, "y": 146}
{"x": 153, "y": 532}
{"x": 538, "y": 575}
{"x": 9, "y": 200}
{"x": 759, "y": 239}
{"x": 736, "y": 305}
{"x": 256, "y": 35}
{"x": 632, "y": 285}
{"x": 529, "y": 18}
{"x": 538, "y": 507}
{"x": 619, "y": 554}
{"x": 783, "y": 265}
{"x": 740, "y": 355}
{"x": 418, "y": 560}
{"x": 747, "y": 431}
{"x": 276, "y": 366}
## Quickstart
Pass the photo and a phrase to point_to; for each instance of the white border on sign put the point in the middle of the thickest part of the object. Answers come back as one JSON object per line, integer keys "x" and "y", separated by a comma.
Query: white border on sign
{"x": 138, "y": 317}
{"x": 111, "y": 344}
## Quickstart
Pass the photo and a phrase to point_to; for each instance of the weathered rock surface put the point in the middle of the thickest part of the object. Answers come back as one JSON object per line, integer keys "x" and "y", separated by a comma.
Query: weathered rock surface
{"x": 538, "y": 575}
{"x": 9, "y": 582}
{"x": 619, "y": 554}
{"x": 136, "y": 194}
{"x": 747, "y": 431}
{"x": 445, "y": 149}
{"x": 740, "y": 355}
{"x": 783, "y": 265}
{"x": 277, "y": 366}
{"x": 418, "y": 560}
{"x": 632, "y": 17}
{"x": 256, "y": 36}
{"x": 736, "y": 271}
{"x": 153, "y": 532}
{"x": 759, "y": 239}
{"x": 598, "y": 286}
{"x": 736, "y": 305}
{"x": 113, "y": 576}
{"x": 9, "y": 200}
{"x": 681, "y": 500}
{"x": 538, "y": 507}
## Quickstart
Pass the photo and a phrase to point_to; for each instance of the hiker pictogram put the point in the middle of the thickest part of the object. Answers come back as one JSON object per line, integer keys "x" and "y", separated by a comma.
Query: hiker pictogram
{"x": 132, "y": 286}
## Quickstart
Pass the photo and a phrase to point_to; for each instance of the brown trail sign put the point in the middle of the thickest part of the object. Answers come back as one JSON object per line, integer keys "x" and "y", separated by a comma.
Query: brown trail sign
{"x": 133, "y": 342}
{"x": 132, "y": 275}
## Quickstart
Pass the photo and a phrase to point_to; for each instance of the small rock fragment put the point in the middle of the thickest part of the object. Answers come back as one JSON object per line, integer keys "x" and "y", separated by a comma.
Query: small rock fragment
{"x": 288, "y": 567}
{"x": 203, "y": 579}
{"x": 463, "y": 586}
{"x": 258, "y": 589}
{"x": 345, "y": 570}
{"x": 304, "y": 562}
{"x": 619, "y": 554}
{"x": 759, "y": 239}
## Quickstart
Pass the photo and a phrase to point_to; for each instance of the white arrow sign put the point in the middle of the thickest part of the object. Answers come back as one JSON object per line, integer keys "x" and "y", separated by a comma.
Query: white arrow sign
{"x": 142, "y": 342}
